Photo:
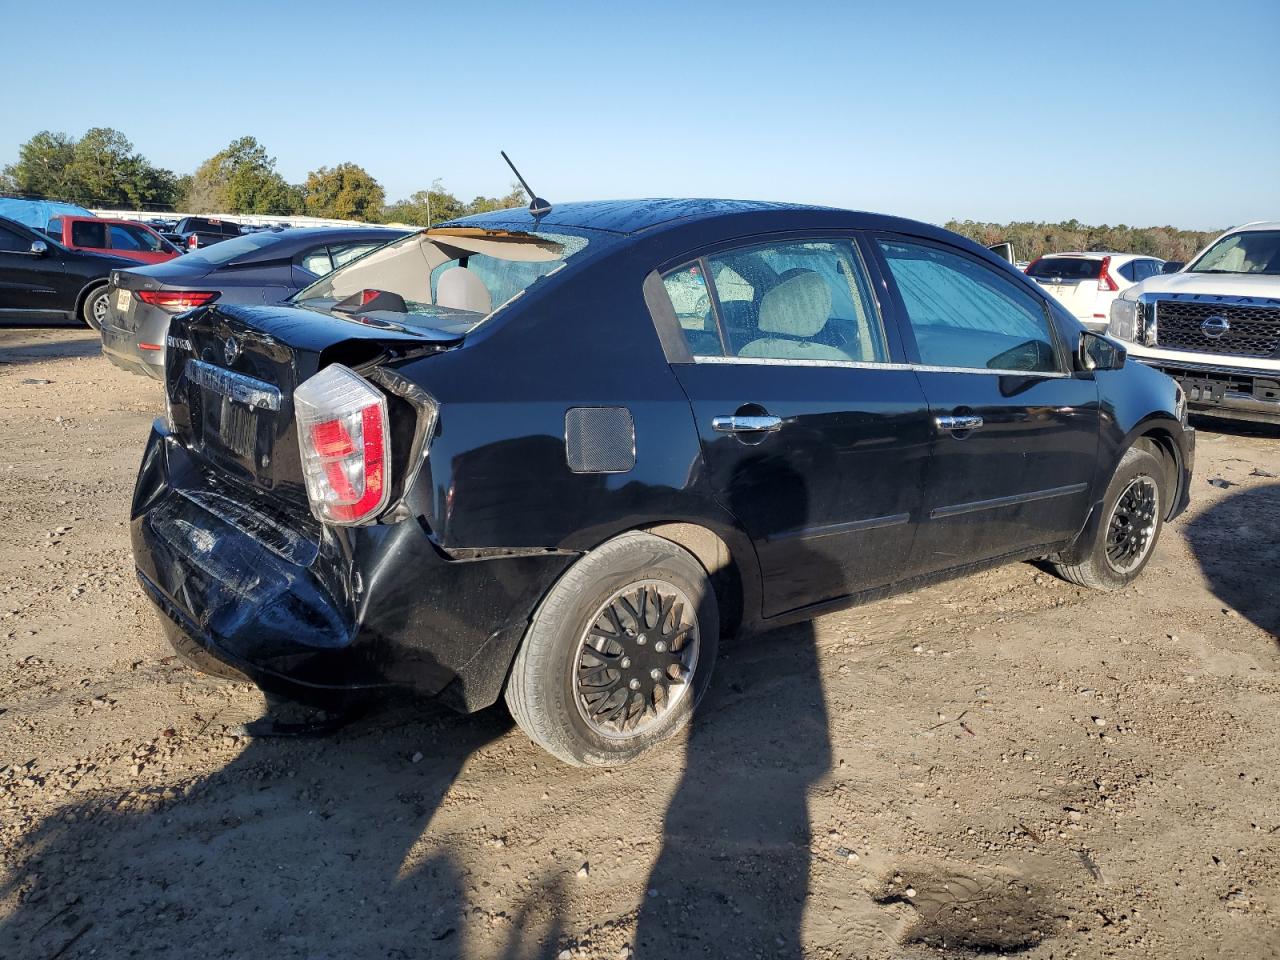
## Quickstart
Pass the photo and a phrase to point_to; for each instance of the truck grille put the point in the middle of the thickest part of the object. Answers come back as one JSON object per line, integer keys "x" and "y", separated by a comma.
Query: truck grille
{"x": 1251, "y": 331}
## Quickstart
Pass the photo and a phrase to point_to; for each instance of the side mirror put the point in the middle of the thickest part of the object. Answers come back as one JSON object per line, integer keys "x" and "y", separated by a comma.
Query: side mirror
{"x": 39, "y": 248}
{"x": 1096, "y": 352}
{"x": 1172, "y": 266}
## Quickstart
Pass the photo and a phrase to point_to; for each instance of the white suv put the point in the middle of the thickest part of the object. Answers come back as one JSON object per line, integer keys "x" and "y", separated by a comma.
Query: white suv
{"x": 1214, "y": 326}
{"x": 1086, "y": 283}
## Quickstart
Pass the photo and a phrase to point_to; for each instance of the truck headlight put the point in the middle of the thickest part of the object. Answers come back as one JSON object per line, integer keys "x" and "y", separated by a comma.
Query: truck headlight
{"x": 1123, "y": 324}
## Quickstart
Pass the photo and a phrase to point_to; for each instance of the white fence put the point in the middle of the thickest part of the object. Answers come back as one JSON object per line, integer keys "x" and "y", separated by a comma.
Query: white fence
{"x": 252, "y": 219}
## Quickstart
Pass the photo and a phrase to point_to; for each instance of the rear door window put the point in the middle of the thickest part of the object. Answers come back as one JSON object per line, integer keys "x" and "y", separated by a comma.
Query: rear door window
{"x": 691, "y": 300}
{"x": 964, "y": 314}
{"x": 11, "y": 242}
{"x": 317, "y": 261}
{"x": 86, "y": 233}
{"x": 343, "y": 254}
{"x": 124, "y": 237}
{"x": 793, "y": 300}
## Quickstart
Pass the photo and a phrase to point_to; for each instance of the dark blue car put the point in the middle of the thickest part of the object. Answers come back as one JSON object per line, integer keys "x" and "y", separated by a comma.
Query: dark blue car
{"x": 554, "y": 457}
{"x": 258, "y": 268}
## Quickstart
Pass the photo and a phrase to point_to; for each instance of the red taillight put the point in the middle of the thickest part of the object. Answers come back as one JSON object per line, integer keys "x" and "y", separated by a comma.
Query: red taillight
{"x": 178, "y": 299}
{"x": 1105, "y": 280}
{"x": 193, "y": 242}
{"x": 342, "y": 435}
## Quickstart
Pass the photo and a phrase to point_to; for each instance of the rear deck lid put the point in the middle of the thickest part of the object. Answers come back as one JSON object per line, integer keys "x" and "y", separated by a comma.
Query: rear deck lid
{"x": 230, "y": 373}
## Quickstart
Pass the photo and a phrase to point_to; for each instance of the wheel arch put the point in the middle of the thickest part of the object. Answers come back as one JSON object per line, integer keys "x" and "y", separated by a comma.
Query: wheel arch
{"x": 1160, "y": 441}
{"x": 87, "y": 289}
{"x": 724, "y": 566}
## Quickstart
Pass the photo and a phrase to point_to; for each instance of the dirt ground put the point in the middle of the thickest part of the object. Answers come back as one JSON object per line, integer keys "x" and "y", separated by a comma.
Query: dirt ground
{"x": 1006, "y": 763}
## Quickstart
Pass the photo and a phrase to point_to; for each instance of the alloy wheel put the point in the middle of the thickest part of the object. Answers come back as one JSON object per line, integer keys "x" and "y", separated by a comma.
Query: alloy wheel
{"x": 98, "y": 310}
{"x": 636, "y": 659}
{"x": 1131, "y": 529}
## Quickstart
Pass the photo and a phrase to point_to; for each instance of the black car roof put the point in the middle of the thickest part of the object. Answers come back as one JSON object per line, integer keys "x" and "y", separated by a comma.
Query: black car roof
{"x": 633, "y": 216}
{"x": 630, "y": 217}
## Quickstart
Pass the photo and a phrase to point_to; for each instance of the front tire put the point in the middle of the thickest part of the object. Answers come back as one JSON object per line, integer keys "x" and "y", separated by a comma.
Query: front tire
{"x": 94, "y": 309}
{"x": 618, "y": 654}
{"x": 1132, "y": 517}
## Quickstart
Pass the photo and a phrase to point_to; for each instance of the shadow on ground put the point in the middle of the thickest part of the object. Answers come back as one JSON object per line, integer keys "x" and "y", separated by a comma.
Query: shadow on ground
{"x": 38, "y": 345}
{"x": 1235, "y": 542}
{"x": 292, "y": 849}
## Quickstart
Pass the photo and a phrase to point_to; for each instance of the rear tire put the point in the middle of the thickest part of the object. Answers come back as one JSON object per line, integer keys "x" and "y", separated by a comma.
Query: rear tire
{"x": 94, "y": 309}
{"x": 1132, "y": 516}
{"x": 618, "y": 654}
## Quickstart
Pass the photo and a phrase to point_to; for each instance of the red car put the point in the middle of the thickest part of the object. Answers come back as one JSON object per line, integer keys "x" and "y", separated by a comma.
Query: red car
{"x": 123, "y": 238}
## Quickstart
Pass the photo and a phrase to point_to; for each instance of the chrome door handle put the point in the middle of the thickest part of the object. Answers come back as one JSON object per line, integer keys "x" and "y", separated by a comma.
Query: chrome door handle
{"x": 958, "y": 422}
{"x": 736, "y": 424}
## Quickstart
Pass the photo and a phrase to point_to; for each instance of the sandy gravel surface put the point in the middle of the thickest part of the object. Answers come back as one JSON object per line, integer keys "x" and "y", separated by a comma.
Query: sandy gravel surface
{"x": 1003, "y": 763}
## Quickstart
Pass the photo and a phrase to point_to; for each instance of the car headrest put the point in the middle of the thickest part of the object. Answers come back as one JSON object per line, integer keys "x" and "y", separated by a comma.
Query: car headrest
{"x": 460, "y": 289}
{"x": 799, "y": 306}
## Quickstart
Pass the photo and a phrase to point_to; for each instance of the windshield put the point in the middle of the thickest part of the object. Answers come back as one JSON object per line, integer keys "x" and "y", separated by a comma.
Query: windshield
{"x": 1065, "y": 268}
{"x": 1251, "y": 251}
{"x": 237, "y": 248}
{"x": 451, "y": 275}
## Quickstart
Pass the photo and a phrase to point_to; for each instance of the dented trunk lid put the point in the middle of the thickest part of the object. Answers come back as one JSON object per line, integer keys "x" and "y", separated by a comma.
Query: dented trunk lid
{"x": 230, "y": 373}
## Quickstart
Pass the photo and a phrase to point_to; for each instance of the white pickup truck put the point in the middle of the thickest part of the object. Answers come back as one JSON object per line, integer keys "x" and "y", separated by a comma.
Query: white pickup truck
{"x": 1213, "y": 325}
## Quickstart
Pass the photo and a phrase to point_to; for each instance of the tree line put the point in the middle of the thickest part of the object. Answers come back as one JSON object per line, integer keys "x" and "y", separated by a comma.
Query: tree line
{"x": 1031, "y": 240}
{"x": 102, "y": 169}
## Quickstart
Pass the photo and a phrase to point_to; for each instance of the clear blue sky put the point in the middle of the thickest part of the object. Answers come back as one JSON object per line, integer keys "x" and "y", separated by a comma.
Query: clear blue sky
{"x": 1137, "y": 113}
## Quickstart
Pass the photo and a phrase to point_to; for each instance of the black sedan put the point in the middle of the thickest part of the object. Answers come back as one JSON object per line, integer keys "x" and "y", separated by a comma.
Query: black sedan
{"x": 41, "y": 280}
{"x": 266, "y": 267}
{"x": 554, "y": 458}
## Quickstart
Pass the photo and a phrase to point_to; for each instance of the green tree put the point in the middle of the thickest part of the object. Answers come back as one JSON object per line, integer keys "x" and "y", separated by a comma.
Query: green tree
{"x": 516, "y": 198}
{"x": 107, "y": 171}
{"x": 242, "y": 178}
{"x": 425, "y": 207}
{"x": 99, "y": 169}
{"x": 428, "y": 207}
{"x": 1031, "y": 240}
{"x": 44, "y": 166}
{"x": 344, "y": 192}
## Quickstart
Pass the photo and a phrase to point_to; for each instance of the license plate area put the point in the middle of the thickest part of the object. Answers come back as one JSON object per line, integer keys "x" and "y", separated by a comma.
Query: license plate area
{"x": 233, "y": 419}
{"x": 123, "y": 297}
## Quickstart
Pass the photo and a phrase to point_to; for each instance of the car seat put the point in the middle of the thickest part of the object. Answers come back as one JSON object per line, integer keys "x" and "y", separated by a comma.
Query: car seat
{"x": 791, "y": 315}
{"x": 460, "y": 289}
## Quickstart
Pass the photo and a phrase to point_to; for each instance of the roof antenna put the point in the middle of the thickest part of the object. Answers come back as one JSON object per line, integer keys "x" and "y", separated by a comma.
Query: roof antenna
{"x": 537, "y": 206}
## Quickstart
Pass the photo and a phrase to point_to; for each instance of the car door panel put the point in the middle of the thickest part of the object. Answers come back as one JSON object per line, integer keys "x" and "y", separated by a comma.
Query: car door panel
{"x": 831, "y": 497}
{"x": 787, "y": 335}
{"x": 1020, "y": 479}
{"x": 1015, "y": 433}
{"x": 31, "y": 283}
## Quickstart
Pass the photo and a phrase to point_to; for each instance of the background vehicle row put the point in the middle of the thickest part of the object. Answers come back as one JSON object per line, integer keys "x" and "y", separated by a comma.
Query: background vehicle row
{"x": 255, "y": 268}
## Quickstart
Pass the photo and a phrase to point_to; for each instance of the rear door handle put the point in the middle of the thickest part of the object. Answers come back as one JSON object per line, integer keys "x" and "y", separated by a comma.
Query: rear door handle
{"x": 741, "y": 424}
{"x": 959, "y": 422}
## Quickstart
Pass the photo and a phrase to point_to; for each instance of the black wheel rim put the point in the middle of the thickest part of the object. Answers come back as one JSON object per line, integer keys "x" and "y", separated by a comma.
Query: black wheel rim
{"x": 1131, "y": 529}
{"x": 636, "y": 660}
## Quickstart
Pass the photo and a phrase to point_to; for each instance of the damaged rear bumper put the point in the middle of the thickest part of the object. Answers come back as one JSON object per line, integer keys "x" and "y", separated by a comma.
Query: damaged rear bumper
{"x": 309, "y": 611}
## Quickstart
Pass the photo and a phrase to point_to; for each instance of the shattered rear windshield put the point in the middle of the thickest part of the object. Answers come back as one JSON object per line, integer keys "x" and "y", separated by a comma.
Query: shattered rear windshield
{"x": 453, "y": 277}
